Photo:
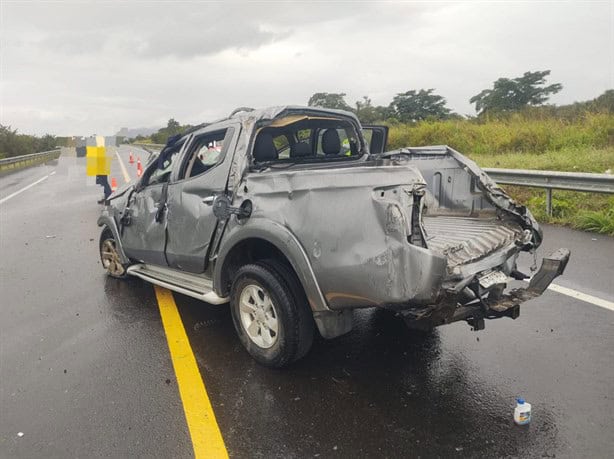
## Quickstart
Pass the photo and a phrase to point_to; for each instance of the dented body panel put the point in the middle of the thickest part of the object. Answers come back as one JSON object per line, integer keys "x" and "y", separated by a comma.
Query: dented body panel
{"x": 353, "y": 224}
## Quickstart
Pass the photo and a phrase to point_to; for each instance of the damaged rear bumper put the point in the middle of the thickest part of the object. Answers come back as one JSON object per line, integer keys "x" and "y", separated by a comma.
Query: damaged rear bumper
{"x": 477, "y": 303}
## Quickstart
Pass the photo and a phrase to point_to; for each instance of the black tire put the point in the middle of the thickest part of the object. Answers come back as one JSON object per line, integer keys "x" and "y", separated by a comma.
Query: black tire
{"x": 294, "y": 328}
{"x": 115, "y": 268}
{"x": 305, "y": 315}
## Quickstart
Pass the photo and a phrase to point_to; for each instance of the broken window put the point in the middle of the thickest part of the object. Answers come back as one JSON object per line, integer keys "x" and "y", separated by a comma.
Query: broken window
{"x": 308, "y": 139}
{"x": 159, "y": 171}
{"x": 205, "y": 152}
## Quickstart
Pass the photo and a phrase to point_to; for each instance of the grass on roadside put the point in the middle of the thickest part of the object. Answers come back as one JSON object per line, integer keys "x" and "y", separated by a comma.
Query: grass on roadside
{"x": 582, "y": 144}
{"x": 515, "y": 134}
{"x": 571, "y": 159}
{"x": 587, "y": 211}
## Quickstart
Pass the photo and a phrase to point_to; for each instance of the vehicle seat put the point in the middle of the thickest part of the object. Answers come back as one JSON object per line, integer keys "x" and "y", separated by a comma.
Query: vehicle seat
{"x": 264, "y": 148}
{"x": 198, "y": 167}
{"x": 300, "y": 150}
{"x": 331, "y": 144}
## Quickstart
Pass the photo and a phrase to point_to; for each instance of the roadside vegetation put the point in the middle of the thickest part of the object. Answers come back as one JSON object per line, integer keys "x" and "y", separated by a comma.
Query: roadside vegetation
{"x": 524, "y": 141}
{"x": 12, "y": 143}
{"x": 514, "y": 129}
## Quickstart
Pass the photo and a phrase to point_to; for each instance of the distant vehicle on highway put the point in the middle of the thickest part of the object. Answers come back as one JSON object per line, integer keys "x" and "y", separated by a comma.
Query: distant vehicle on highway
{"x": 297, "y": 216}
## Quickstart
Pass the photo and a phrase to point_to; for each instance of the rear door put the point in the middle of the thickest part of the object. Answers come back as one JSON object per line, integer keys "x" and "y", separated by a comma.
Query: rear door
{"x": 203, "y": 174}
{"x": 376, "y": 137}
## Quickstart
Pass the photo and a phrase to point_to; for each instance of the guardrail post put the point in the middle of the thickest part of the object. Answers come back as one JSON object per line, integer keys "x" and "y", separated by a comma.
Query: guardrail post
{"x": 549, "y": 201}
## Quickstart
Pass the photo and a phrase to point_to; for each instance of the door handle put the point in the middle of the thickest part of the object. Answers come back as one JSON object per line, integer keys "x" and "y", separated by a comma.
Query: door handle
{"x": 209, "y": 200}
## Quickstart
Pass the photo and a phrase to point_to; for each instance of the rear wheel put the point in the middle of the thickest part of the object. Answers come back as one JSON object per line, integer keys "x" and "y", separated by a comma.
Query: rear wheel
{"x": 272, "y": 322}
{"x": 109, "y": 255}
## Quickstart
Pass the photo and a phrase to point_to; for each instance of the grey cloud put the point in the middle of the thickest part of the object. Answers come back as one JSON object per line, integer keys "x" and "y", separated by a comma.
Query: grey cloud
{"x": 211, "y": 39}
{"x": 78, "y": 68}
{"x": 75, "y": 42}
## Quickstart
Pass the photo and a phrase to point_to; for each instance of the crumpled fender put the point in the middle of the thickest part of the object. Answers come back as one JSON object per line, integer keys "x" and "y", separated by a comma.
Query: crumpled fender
{"x": 106, "y": 220}
{"x": 283, "y": 239}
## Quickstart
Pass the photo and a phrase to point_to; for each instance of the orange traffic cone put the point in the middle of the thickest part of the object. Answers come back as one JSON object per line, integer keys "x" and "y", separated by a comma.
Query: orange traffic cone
{"x": 113, "y": 184}
{"x": 139, "y": 168}
{"x": 131, "y": 158}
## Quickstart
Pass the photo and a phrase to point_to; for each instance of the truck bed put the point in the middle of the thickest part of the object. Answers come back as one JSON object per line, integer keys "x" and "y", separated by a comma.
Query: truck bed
{"x": 466, "y": 239}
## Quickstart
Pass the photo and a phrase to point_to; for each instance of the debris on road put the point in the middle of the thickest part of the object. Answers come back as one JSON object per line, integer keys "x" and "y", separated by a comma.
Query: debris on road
{"x": 20, "y": 434}
{"x": 522, "y": 412}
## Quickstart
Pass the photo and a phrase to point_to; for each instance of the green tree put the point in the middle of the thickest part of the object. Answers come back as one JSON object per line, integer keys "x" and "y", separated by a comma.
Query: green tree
{"x": 369, "y": 113}
{"x": 419, "y": 105}
{"x": 365, "y": 111}
{"x": 329, "y": 100}
{"x": 46, "y": 143}
{"x": 605, "y": 102}
{"x": 9, "y": 142}
{"x": 514, "y": 94}
{"x": 173, "y": 127}
{"x": 14, "y": 144}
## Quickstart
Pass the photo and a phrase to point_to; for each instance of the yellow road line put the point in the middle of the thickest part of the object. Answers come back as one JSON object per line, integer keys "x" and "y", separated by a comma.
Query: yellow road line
{"x": 206, "y": 436}
{"x": 123, "y": 167}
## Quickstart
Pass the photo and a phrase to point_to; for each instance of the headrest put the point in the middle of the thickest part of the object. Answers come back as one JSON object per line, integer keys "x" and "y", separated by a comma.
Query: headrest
{"x": 331, "y": 145}
{"x": 264, "y": 148}
{"x": 300, "y": 150}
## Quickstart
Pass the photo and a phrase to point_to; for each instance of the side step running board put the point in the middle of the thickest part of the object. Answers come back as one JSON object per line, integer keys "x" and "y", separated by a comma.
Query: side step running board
{"x": 192, "y": 285}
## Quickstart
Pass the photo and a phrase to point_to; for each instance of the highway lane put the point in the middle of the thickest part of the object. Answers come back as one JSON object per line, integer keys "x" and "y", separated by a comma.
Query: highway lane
{"x": 14, "y": 181}
{"x": 83, "y": 359}
{"x": 376, "y": 391}
{"x": 592, "y": 267}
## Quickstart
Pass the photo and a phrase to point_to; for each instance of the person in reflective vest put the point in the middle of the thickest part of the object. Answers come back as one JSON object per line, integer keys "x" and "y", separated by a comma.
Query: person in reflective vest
{"x": 98, "y": 164}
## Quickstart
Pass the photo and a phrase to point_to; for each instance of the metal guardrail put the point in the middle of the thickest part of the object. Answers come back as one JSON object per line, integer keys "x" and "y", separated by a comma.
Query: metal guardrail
{"x": 149, "y": 146}
{"x": 553, "y": 180}
{"x": 15, "y": 162}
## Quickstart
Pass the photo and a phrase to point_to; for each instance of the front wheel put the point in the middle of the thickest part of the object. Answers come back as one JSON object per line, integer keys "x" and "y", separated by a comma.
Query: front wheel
{"x": 273, "y": 322}
{"x": 109, "y": 256}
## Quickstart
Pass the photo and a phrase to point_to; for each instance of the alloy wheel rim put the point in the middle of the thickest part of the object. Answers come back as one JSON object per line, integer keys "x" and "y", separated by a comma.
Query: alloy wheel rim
{"x": 258, "y": 316}
{"x": 110, "y": 258}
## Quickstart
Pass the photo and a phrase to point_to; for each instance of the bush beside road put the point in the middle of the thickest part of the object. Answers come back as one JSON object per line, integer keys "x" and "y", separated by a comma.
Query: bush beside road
{"x": 520, "y": 141}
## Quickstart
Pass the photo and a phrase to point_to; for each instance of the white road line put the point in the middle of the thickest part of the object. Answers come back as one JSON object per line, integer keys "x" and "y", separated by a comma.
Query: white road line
{"x": 582, "y": 296}
{"x": 123, "y": 168}
{"x": 12, "y": 195}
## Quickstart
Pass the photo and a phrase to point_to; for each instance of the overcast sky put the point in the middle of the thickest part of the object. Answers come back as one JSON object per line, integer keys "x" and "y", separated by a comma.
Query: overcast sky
{"x": 78, "y": 68}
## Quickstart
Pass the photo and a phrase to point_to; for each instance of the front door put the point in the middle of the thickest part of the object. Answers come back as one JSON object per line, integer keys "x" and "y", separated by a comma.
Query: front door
{"x": 203, "y": 175}
{"x": 144, "y": 233}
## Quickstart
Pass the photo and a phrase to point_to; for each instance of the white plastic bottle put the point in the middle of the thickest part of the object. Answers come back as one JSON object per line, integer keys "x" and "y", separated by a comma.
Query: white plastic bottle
{"x": 522, "y": 412}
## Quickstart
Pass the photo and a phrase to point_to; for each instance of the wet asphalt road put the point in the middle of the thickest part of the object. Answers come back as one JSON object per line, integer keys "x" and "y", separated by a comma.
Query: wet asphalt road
{"x": 85, "y": 368}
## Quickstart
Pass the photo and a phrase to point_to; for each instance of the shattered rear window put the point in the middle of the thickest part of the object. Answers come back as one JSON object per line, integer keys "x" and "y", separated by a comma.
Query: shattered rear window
{"x": 308, "y": 139}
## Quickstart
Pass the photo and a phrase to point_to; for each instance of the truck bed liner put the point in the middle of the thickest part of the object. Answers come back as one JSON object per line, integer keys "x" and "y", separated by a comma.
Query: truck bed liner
{"x": 465, "y": 239}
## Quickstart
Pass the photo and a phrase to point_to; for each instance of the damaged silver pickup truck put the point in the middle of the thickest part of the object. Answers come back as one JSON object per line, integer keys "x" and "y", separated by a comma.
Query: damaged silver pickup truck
{"x": 297, "y": 216}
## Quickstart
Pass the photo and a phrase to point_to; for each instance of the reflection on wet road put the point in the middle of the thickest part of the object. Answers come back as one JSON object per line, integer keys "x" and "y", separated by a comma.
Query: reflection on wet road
{"x": 382, "y": 391}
